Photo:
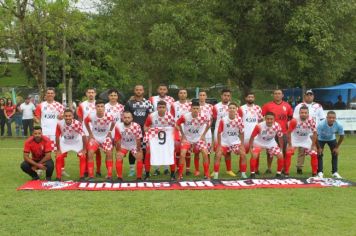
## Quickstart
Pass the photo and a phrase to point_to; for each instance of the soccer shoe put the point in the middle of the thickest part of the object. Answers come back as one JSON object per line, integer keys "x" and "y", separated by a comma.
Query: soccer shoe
{"x": 196, "y": 173}
{"x": 119, "y": 179}
{"x": 188, "y": 173}
{"x": 98, "y": 174}
{"x": 206, "y": 177}
{"x": 336, "y": 176}
{"x": 212, "y": 174}
{"x": 109, "y": 179}
{"x": 166, "y": 172}
{"x": 157, "y": 172}
{"x": 252, "y": 176}
{"x": 258, "y": 172}
{"x": 268, "y": 171}
{"x": 173, "y": 176}
{"x": 58, "y": 179}
{"x": 243, "y": 175}
{"x": 232, "y": 174}
{"x": 147, "y": 176}
{"x": 35, "y": 178}
{"x": 39, "y": 172}
{"x": 278, "y": 176}
{"x": 131, "y": 173}
{"x": 86, "y": 175}
{"x": 64, "y": 173}
{"x": 321, "y": 175}
{"x": 82, "y": 179}
{"x": 215, "y": 175}
{"x": 48, "y": 178}
{"x": 299, "y": 171}
{"x": 91, "y": 179}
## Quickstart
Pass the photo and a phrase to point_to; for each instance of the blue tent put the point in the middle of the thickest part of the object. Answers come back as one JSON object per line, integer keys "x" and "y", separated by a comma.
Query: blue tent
{"x": 327, "y": 96}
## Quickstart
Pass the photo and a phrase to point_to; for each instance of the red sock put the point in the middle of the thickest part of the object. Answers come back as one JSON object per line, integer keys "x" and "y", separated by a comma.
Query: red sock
{"x": 139, "y": 167}
{"x": 109, "y": 168}
{"x": 98, "y": 161}
{"x": 253, "y": 162}
{"x": 187, "y": 162}
{"x": 243, "y": 167}
{"x": 147, "y": 162}
{"x": 180, "y": 170}
{"x": 280, "y": 164}
{"x": 206, "y": 168}
{"x": 91, "y": 169}
{"x": 314, "y": 163}
{"x": 119, "y": 168}
{"x": 86, "y": 163}
{"x": 196, "y": 163}
{"x": 228, "y": 164}
{"x": 59, "y": 165}
{"x": 216, "y": 166}
{"x": 173, "y": 168}
{"x": 257, "y": 163}
{"x": 82, "y": 165}
{"x": 287, "y": 162}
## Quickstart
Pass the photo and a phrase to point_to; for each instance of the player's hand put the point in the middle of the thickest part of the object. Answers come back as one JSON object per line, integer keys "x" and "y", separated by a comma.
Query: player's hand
{"x": 41, "y": 166}
{"x": 242, "y": 150}
{"x": 202, "y": 138}
{"x": 184, "y": 139}
{"x": 91, "y": 136}
{"x": 336, "y": 151}
{"x": 320, "y": 151}
{"x": 109, "y": 135}
{"x": 313, "y": 147}
{"x": 58, "y": 152}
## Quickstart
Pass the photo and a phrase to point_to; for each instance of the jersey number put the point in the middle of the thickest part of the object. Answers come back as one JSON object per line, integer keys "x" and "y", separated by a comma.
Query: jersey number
{"x": 162, "y": 137}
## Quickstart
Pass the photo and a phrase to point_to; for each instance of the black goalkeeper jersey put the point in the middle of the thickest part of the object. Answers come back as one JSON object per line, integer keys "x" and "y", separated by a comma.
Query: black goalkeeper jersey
{"x": 140, "y": 110}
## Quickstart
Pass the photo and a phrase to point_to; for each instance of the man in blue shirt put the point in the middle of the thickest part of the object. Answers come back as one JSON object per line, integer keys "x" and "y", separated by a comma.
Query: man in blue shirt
{"x": 326, "y": 135}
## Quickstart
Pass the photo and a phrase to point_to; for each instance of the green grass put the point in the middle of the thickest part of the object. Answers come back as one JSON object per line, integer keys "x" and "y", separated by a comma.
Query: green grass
{"x": 16, "y": 77}
{"x": 329, "y": 211}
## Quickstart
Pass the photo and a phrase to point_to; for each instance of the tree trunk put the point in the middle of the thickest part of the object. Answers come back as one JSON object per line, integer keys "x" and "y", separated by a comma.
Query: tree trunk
{"x": 70, "y": 98}
{"x": 149, "y": 87}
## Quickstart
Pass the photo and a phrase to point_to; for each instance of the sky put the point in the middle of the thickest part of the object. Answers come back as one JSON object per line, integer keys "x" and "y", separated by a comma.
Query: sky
{"x": 87, "y": 5}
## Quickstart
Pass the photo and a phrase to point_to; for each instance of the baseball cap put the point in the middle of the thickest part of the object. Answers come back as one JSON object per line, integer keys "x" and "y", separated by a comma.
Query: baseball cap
{"x": 309, "y": 91}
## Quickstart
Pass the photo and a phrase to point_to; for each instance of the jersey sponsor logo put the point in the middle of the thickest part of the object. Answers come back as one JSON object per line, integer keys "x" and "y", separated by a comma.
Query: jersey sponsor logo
{"x": 251, "y": 120}
{"x": 100, "y": 130}
{"x": 69, "y": 137}
{"x": 193, "y": 131}
{"x": 50, "y": 116}
{"x": 231, "y": 133}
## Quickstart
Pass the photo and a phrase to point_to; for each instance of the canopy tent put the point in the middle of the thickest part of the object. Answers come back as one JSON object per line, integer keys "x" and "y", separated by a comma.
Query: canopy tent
{"x": 328, "y": 96}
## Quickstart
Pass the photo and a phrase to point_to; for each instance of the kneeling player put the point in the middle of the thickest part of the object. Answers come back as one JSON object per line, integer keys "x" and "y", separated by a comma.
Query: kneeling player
{"x": 263, "y": 137}
{"x": 128, "y": 139}
{"x": 99, "y": 126}
{"x": 193, "y": 127}
{"x": 229, "y": 130}
{"x": 299, "y": 132}
{"x": 70, "y": 137}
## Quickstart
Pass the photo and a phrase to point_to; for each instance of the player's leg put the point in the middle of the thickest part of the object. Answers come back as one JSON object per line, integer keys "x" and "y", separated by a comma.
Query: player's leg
{"x": 147, "y": 162}
{"x": 280, "y": 163}
{"x": 109, "y": 163}
{"x": 269, "y": 164}
{"x": 82, "y": 165}
{"x": 183, "y": 152}
{"x": 132, "y": 161}
{"x": 205, "y": 154}
{"x": 218, "y": 154}
{"x": 59, "y": 165}
{"x": 27, "y": 168}
{"x": 228, "y": 165}
{"x": 320, "y": 159}
{"x": 288, "y": 160}
{"x": 300, "y": 160}
{"x": 334, "y": 159}
{"x": 313, "y": 160}
{"x": 119, "y": 163}
{"x": 242, "y": 163}
{"x": 98, "y": 163}
{"x": 187, "y": 163}
{"x": 255, "y": 152}
{"x": 139, "y": 164}
{"x": 196, "y": 163}
{"x": 49, "y": 169}
{"x": 92, "y": 148}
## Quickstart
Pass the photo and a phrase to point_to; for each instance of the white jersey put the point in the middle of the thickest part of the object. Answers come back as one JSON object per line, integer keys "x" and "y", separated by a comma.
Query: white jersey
{"x": 116, "y": 111}
{"x": 265, "y": 136}
{"x": 154, "y": 120}
{"x": 161, "y": 144}
{"x": 48, "y": 113}
{"x": 193, "y": 128}
{"x": 85, "y": 108}
{"x": 207, "y": 111}
{"x": 128, "y": 135}
{"x": 155, "y": 99}
{"x": 70, "y": 136}
{"x": 301, "y": 132}
{"x": 316, "y": 111}
{"x": 100, "y": 126}
{"x": 178, "y": 109}
{"x": 251, "y": 115}
{"x": 220, "y": 111}
{"x": 230, "y": 131}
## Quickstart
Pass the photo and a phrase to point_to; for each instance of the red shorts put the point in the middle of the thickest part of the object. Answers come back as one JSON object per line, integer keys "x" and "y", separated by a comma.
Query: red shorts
{"x": 233, "y": 148}
{"x": 273, "y": 151}
{"x": 94, "y": 145}
{"x": 197, "y": 147}
{"x": 125, "y": 151}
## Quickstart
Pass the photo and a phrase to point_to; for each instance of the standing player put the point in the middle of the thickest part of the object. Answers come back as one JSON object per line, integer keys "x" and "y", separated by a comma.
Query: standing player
{"x": 179, "y": 108}
{"x": 207, "y": 111}
{"x": 220, "y": 110}
{"x": 128, "y": 137}
{"x": 283, "y": 113}
{"x": 70, "y": 137}
{"x": 159, "y": 118}
{"x": 140, "y": 108}
{"x": 230, "y": 134}
{"x": 299, "y": 132}
{"x": 99, "y": 126}
{"x": 162, "y": 91}
{"x": 316, "y": 112}
{"x": 113, "y": 107}
{"x": 193, "y": 127}
{"x": 251, "y": 115}
{"x": 263, "y": 137}
{"x": 84, "y": 109}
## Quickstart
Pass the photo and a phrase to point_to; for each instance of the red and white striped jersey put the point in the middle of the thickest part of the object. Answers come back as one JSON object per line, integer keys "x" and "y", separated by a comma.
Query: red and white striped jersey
{"x": 116, "y": 111}
{"x": 70, "y": 134}
{"x": 301, "y": 132}
{"x": 100, "y": 126}
{"x": 251, "y": 116}
{"x": 264, "y": 135}
{"x": 178, "y": 109}
{"x": 154, "y": 120}
{"x": 48, "y": 113}
{"x": 230, "y": 130}
{"x": 155, "y": 99}
{"x": 128, "y": 135}
{"x": 193, "y": 128}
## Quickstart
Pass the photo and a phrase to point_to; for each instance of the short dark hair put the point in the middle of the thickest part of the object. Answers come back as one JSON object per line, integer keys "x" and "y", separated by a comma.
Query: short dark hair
{"x": 68, "y": 110}
{"x": 90, "y": 88}
{"x": 161, "y": 103}
{"x": 233, "y": 104}
{"x": 249, "y": 93}
{"x": 99, "y": 101}
{"x": 331, "y": 113}
{"x": 225, "y": 90}
{"x": 37, "y": 127}
{"x": 278, "y": 90}
{"x": 270, "y": 114}
{"x": 195, "y": 104}
{"x": 162, "y": 85}
{"x": 203, "y": 91}
{"x": 113, "y": 91}
{"x": 50, "y": 88}
{"x": 182, "y": 89}
{"x": 303, "y": 108}
{"x": 127, "y": 112}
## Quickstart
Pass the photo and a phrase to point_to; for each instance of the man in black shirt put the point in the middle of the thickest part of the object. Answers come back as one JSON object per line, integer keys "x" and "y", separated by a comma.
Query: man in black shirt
{"x": 140, "y": 109}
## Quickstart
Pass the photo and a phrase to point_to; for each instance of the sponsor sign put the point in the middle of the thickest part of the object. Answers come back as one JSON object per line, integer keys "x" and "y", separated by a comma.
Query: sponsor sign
{"x": 347, "y": 118}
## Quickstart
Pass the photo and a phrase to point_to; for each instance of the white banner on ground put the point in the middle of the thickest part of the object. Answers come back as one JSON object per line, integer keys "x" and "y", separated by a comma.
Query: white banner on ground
{"x": 347, "y": 118}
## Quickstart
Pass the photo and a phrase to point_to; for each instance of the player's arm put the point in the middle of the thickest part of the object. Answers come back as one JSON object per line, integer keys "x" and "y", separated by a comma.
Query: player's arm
{"x": 47, "y": 157}
{"x": 292, "y": 125}
{"x": 84, "y": 140}
{"x": 148, "y": 123}
{"x": 37, "y": 114}
{"x": 242, "y": 147}
{"x": 26, "y": 157}
{"x": 86, "y": 122}
{"x": 220, "y": 130}
{"x": 111, "y": 128}
{"x": 179, "y": 123}
{"x": 80, "y": 113}
{"x": 340, "y": 140}
{"x": 58, "y": 135}
{"x": 255, "y": 132}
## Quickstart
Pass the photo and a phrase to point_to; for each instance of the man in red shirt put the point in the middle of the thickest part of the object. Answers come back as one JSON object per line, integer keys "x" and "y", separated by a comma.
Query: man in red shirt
{"x": 283, "y": 113}
{"x": 40, "y": 148}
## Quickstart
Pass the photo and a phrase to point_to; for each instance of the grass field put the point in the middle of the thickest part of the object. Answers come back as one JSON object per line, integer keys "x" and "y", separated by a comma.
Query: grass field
{"x": 16, "y": 76}
{"x": 329, "y": 211}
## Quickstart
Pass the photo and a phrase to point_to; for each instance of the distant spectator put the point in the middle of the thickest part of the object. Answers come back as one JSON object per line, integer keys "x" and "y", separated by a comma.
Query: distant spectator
{"x": 339, "y": 105}
{"x": 27, "y": 108}
{"x": 18, "y": 121}
{"x": 2, "y": 116}
{"x": 10, "y": 110}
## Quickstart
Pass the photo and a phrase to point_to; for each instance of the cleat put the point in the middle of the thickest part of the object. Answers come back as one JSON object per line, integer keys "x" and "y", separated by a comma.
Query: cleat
{"x": 48, "y": 178}
{"x": 91, "y": 179}
{"x": 299, "y": 171}
{"x": 320, "y": 175}
{"x": 243, "y": 175}
{"x": 166, "y": 172}
{"x": 212, "y": 174}
{"x": 82, "y": 179}
{"x": 157, "y": 172}
{"x": 35, "y": 178}
{"x": 58, "y": 179}
{"x": 258, "y": 172}
{"x": 232, "y": 174}
{"x": 336, "y": 176}
{"x": 64, "y": 173}
{"x": 109, "y": 178}
{"x": 86, "y": 175}
{"x": 188, "y": 173}
{"x": 147, "y": 176}
{"x": 173, "y": 176}
{"x": 286, "y": 176}
{"x": 314, "y": 175}
{"x": 268, "y": 171}
{"x": 98, "y": 174}
{"x": 252, "y": 176}
{"x": 206, "y": 177}
{"x": 278, "y": 176}
{"x": 138, "y": 179}
{"x": 119, "y": 179}
{"x": 196, "y": 173}
{"x": 131, "y": 173}
{"x": 215, "y": 175}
